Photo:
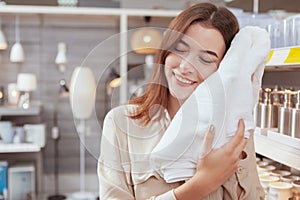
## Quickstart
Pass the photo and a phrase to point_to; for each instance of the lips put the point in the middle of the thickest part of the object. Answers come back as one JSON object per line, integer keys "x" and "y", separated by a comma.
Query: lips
{"x": 183, "y": 80}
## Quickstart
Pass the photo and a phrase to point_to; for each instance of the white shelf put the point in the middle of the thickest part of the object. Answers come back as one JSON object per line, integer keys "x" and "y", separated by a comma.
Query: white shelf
{"x": 269, "y": 143}
{"x": 282, "y": 59}
{"x": 19, "y": 148}
{"x": 277, "y": 149}
{"x": 35, "y": 109}
{"x": 56, "y": 10}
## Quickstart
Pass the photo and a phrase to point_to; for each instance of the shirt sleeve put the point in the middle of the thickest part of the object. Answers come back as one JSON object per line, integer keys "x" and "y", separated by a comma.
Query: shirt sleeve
{"x": 115, "y": 181}
{"x": 246, "y": 175}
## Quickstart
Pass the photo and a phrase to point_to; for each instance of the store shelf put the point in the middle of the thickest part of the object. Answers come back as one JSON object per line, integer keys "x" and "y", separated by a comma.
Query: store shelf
{"x": 56, "y": 10}
{"x": 284, "y": 59}
{"x": 19, "y": 148}
{"x": 279, "y": 149}
{"x": 35, "y": 109}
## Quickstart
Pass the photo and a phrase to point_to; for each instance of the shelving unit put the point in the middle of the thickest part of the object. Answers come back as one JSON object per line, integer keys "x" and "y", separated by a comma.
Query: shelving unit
{"x": 284, "y": 59}
{"x": 123, "y": 15}
{"x": 19, "y": 148}
{"x": 23, "y": 152}
{"x": 55, "y": 10}
{"x": 269, "y": 143}
{"x": 35, "y": 109}
{"x": 280, "y": 151}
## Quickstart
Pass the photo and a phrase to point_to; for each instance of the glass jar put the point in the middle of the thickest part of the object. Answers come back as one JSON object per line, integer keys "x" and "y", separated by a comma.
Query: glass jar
{"x": 296, "y": 190}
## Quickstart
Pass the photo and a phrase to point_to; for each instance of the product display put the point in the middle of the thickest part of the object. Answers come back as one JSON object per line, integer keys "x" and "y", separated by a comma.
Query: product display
{"x": 295, "y": 121}
{"x": 13, "y": 94}
{"x": 3, "y": 179}
{"x": 296, "y": 189}
{"x": 6, "y": 132}
{"x": 267, "y": 112}
{"x": 285, "y": 114}
{"x": 278, "y": 182}
{"x": 280, "y": 190}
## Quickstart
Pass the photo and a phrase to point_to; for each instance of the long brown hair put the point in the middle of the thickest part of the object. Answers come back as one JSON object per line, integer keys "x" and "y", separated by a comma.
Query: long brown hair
{"x": 157, "y": 92}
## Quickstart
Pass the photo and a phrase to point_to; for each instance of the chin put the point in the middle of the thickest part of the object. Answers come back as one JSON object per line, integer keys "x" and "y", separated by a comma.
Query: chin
{"x": 180, "y": 96}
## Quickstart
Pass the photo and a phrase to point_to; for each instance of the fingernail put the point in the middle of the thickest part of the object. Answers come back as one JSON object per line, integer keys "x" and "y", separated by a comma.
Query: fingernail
{"x": 211, "y": 128}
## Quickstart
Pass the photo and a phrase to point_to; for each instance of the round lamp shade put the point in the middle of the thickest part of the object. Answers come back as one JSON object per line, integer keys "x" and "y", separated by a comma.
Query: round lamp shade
{"x": 115, "y": 82}
{"x": 3, "y": 43}
{"x": 26, "y": 82}
{"x": 146, "y": 41}
{"x": 82, "y": 92}
{"x": 17, "y": 53}
{"x": 114, "y": 79}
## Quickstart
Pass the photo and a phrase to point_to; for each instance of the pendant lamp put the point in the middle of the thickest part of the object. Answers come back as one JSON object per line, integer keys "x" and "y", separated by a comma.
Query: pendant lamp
{"x": 113, "y": 81}
{"x": 17, "y": 52}
{"x": 146, "y": 40}
{"x": 61, "y": 57}
{"x": 3, "y": 43}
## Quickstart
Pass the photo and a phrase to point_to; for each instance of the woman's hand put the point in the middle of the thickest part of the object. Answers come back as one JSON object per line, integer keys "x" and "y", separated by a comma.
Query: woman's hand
{"x": 214, "y": 166}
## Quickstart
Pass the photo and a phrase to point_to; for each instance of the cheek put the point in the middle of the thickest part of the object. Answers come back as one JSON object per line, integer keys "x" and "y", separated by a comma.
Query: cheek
{"x": 205, "y": 72}
{"x": 172, "y": 61}
{"x": 208, "y": 72}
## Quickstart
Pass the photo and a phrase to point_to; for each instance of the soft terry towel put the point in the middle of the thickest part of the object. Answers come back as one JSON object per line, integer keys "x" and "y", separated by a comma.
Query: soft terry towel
{"x": 222, "y": 99}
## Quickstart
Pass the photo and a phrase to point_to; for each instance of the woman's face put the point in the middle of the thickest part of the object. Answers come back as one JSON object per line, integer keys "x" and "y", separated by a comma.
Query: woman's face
{"x": 195, "y": 57}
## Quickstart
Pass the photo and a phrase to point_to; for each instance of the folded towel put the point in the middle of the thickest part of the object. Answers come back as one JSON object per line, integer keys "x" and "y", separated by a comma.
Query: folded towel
{"x": 222, "y": 99}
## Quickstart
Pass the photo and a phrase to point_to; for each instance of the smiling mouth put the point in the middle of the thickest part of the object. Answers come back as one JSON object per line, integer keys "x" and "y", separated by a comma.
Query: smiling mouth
{"x": 183, "y": 80}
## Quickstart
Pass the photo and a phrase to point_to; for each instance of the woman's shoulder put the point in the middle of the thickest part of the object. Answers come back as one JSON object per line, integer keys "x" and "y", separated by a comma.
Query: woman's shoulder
{"x": 120, "y": 114}
{"x": 121, "y": 111}
{"x": 117, "y": 121}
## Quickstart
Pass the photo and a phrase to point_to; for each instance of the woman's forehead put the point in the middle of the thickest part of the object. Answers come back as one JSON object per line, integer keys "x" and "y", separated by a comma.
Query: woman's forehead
{"x": 202, "y": 37}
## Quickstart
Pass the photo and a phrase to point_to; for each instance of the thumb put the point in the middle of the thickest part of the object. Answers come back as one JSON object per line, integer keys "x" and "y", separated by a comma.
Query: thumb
{"x": 207, "y": 142}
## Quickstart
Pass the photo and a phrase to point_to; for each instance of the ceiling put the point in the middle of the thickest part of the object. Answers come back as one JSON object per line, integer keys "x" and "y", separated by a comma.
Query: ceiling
{"x": 246, "y": 5}
{"x": 266, "y": 5}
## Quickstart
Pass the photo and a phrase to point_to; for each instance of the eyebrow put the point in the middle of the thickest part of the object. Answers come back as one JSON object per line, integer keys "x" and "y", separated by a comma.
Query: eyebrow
{"x": 202, "y": 51}
{"x": 210, "y": 52}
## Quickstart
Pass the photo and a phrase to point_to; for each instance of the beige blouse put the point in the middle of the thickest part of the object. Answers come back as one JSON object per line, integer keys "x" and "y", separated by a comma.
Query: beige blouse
{"x": 124, "y": 169}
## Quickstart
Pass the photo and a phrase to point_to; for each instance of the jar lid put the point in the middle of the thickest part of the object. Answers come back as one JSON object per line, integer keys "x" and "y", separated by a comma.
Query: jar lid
{"x": 280, "y": 173}
{"x": 296, "y": 184}
{"x": 280, "y": 185}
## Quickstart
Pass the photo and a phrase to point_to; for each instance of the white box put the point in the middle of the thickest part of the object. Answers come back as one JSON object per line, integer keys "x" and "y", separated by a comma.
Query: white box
{"x": 21, "y": 182}
{"x": 35, "y": 133}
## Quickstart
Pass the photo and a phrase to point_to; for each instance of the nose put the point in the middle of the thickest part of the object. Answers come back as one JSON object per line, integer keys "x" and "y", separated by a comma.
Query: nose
{"x": 186, "y": 67}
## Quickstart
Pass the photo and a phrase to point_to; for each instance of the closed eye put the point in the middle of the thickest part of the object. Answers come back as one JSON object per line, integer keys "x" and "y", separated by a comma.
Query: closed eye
{"x": 206, "y": 61}
{"x": 181, "y": 47}
{"x": 178, "y": 50}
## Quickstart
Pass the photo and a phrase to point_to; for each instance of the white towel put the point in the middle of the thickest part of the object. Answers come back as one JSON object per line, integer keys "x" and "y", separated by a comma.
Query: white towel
{"x": 222, "y": 99}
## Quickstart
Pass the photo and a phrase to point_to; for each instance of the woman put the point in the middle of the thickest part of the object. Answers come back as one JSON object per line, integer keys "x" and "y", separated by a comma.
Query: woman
{"x": 131, "y": 132}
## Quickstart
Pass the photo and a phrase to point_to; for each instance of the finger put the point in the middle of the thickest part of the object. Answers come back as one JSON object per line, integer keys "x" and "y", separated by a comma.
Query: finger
{"x": 208, "y": 141}
{"x": 239, "y": 135}
{"x": 241, "y": 147}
